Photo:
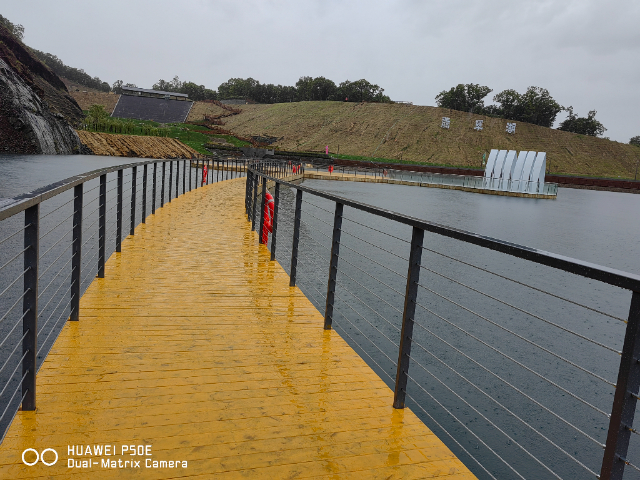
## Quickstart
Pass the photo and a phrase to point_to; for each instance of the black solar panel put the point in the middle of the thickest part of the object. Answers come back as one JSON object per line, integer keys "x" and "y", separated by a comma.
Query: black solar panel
{"x": 149, "y": 108}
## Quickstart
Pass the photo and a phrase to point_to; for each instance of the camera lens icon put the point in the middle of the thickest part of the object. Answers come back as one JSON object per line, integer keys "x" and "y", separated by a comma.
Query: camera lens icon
{"x": 39, "y": 457}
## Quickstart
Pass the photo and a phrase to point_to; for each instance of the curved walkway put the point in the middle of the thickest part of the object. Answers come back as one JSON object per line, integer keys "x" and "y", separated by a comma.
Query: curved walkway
{"x": 195, "y": 347}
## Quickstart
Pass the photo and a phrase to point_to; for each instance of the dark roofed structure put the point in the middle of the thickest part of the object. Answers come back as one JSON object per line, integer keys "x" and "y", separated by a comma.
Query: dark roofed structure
{"x": 143, "y": 92}
{"x": 156, "y": 105}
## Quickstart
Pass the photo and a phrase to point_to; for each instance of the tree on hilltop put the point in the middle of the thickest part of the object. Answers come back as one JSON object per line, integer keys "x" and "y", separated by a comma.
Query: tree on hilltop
{"x": 534, "y": 106}
{"x": 583, "y": 125}
{"x": 635, "y": 141}
{"x": 465, "y": 98}
{"x": 16, "y": 29}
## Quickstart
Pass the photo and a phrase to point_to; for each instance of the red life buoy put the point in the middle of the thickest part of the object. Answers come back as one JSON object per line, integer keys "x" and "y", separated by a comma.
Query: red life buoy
{"x": 267, "y": 226}
{"x": 330, "y": 169}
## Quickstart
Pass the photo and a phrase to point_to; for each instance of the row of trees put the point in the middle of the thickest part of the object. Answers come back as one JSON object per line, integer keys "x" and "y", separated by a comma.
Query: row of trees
{"x": 535, "y": 106}
{"x": 306, "y": 88}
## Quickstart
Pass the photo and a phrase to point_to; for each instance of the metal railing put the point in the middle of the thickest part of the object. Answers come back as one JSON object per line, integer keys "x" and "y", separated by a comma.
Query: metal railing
{"x": 55, "y": 240}
{"x": 430, "y": 178}
{"x": 525, "y": 362}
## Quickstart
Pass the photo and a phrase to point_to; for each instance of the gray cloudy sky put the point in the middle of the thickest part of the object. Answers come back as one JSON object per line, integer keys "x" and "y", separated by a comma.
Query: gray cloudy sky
{"x": 585, "y": 52}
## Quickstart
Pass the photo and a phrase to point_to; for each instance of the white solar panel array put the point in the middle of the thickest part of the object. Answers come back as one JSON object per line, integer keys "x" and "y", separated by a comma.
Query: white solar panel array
{"x": 515, "y": 173}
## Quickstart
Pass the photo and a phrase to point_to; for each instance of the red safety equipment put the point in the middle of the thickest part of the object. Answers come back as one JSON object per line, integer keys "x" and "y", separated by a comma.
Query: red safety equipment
{"x": 330, "y": 169}
{"x": 267, "y": 226}
{"x": 204, "y": 174}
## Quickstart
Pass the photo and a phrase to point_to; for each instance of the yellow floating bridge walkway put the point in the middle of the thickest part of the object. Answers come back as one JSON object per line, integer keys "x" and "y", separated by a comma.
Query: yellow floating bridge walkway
{"x": 195, "y": 354}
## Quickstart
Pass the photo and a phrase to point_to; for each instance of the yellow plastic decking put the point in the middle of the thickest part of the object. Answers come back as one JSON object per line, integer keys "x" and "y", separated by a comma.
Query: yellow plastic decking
{"x": 195, "y": 344}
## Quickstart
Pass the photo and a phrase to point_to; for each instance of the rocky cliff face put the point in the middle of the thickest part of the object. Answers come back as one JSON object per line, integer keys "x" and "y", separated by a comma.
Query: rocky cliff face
{"x": 36, "y": 111}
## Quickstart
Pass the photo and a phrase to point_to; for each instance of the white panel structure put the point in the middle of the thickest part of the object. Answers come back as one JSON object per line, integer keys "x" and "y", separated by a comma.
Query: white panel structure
{"x": 526, "y": 171}
{"x": 537, "y": 173}
{"x": 510, "y": 171}
{"x": 497, "y": 170}
{"x": 507, "y": 170}
{"x": 488, "y": 171}
{"x": 517, "y": 171}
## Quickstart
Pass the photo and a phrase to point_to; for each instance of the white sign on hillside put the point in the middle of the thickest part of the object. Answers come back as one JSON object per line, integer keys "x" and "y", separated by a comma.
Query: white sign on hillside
{"x": 511, "y": 127}
{"x": 446, "y": 122}
{"x": 478, "y": 126}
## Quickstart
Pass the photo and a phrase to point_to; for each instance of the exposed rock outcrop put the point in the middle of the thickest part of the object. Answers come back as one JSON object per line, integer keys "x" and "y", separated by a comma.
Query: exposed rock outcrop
{"x": 36, "y": 111}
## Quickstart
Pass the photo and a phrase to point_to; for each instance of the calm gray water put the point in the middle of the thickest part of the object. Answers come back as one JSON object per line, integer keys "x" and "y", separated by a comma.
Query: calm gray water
{"x": 459, "y": 367}
{"x": 471, "y": 352}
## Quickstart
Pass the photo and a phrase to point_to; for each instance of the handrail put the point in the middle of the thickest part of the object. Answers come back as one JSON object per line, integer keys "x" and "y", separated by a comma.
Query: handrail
{"x": 603, "y": 274}
{"x": 264, "y": 172}
{"x": 64, "y": 228}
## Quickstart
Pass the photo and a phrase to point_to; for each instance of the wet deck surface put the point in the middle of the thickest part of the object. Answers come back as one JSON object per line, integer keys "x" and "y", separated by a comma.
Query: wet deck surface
{"x": 195, "y": 344}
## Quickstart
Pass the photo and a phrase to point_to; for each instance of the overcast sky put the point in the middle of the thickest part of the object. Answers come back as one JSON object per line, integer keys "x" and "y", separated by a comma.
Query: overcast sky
{"x": 585, "y": 52}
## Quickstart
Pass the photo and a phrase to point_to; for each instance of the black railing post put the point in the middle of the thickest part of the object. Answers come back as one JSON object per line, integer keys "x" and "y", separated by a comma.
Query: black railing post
{"x": 164, "y": 174}
{"x": 276, "y": 200}
{"x": 247, "y": 186}
{"x": 625, "y": 398}
{"x": 144, "y": 194}
{"x": 184, "y": 177}
{"x": 333, "y": 266}
{"x": 170, "y": 180}
{"x": 177, "y": 179}
{"x": 30, "y": 306}
{"x": 296, "y": 239}
{"x": 262, "y": 202}
{"x": 102, "y": 222}
{"x": 190, "y": 174}
{"x": 256, "y": 180}
{"x": 119, "y": 214}
{"x": 134, "y": 179}
{"x": 410, "y": 297}
{"x": 76, "y": 252}
{"x": 155, "y": 177}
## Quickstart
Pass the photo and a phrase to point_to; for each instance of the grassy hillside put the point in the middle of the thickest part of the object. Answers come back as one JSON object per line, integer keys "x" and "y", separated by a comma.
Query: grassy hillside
{"x": 414, "y": 133}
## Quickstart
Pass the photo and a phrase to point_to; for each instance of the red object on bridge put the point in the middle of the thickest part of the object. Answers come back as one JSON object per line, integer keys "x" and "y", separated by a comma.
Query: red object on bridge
{"x": 330, "y": 169}
{"x": 204, "y": 174}
{"x": 267, "y": 226}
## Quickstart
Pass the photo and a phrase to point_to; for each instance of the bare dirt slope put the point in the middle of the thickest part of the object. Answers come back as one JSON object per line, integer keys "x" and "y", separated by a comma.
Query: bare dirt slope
{"x": 200, "y": 109}
{"x": 135, "y": 146}
{"x": 86, "y": 99}
{"x": 414, "y": 133}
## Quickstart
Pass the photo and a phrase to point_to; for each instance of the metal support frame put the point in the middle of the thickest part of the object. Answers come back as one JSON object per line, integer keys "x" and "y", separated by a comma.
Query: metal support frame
{"x": 170, "y": 180}
{"x": 276, "y": 201}
{"x": 144, "y": 194}
{"x": 410, "y": 297}
{"x": 296, "y": 239}
{"x": 246, "y": 195}
{"x": 164, "y": 174}
{"x": 155, "y": 177}
{"x": 333, "y": 266}
{"x": 30, "y": 305}
{"x": 134, "y": 174}
{"x": 102, "y": 222}
{"x": 256, "y": 179}
{"x": 76, "y": 252}
{"x": 262, "y": 203}
{"x": 119, "y": 214}
{"x": 624, "y": 400}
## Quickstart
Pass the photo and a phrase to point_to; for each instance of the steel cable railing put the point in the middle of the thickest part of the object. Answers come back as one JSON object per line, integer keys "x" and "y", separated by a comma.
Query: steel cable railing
{"x": 59, "y": 264}
{"x": 525, "y": 285}
{"x": 303, "y": 225}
